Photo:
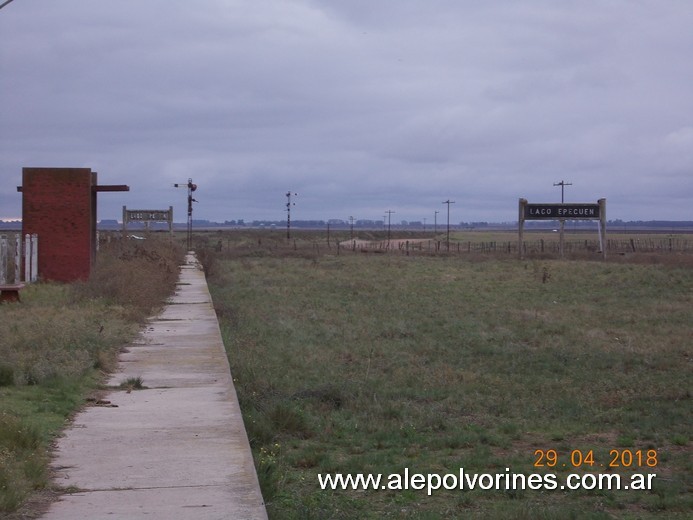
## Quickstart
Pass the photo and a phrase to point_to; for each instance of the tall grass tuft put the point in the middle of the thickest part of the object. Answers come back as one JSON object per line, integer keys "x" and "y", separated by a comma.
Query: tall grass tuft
{"x": 20, "y": 455}
{"x": 137, "y": 276}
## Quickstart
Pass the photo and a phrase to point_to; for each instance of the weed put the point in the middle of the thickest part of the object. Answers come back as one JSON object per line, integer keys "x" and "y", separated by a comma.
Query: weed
{"x": 267, "y": 470}
{"x": 132, "y": 383}
{"x": 679, "y": 440}
{"x": 22, "y": 461}
{"x": 6, "y": 375}
{"x": 289, "y": 418}
{"x": 14, "y": 434}
{"x": 625, "y": 440}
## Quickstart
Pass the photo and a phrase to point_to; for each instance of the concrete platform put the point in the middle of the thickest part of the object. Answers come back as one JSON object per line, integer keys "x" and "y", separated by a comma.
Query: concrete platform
{"x": 175, "y": 450}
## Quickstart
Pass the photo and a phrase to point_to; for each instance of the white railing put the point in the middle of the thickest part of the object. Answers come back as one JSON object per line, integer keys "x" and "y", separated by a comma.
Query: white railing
{"x": 12, "y": 251}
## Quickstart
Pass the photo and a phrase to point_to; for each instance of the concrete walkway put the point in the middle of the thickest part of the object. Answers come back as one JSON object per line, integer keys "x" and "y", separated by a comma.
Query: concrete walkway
{"x": 175, "y": 450}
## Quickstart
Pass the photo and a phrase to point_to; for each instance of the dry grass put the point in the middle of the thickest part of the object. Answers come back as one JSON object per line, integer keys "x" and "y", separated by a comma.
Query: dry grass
{"x": 135, "y": 275}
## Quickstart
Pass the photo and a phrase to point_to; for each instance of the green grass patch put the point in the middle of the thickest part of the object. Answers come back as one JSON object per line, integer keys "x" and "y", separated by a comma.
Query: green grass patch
{"x": 57, "y": 344}
{"x": 30, "y": 417}
{"x": 376, "y": 363}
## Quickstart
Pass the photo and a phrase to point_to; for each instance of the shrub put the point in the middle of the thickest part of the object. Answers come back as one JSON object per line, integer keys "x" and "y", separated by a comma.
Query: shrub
{"x": 6, "y": 375}
{"x": 137, "y": 275}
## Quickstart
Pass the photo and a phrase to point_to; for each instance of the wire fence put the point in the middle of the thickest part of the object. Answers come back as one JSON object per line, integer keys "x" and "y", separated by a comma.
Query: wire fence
{"x": 539, "y": 246}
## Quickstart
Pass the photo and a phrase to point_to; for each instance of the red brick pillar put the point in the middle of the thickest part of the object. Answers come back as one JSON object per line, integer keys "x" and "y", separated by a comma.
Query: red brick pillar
{"x": 59, "y": 205}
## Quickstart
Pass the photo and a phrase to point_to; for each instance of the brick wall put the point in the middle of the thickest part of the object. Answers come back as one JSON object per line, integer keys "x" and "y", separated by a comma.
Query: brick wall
{"x": 59, "y": 204}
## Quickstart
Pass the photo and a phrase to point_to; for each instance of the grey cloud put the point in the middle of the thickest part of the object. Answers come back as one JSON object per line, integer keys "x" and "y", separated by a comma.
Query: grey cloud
{"x": 357, "y": 105}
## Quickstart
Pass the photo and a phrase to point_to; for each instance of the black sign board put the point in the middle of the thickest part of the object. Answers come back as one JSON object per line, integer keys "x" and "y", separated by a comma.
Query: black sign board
{"x": 561, "y": 211}
{"x": 147, "y": 215}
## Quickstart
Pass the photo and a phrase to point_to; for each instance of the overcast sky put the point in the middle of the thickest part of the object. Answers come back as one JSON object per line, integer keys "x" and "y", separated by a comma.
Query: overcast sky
{"x": 359, "y": 106}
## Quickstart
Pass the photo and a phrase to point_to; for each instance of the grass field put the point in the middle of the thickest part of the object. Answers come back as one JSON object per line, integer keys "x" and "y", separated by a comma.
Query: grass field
{"x": 382, "y": 363}
{"x": 55, "y": 347}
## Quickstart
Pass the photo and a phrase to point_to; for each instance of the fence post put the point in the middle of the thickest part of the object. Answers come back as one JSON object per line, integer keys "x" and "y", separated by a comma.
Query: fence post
{"x": 34, "y": 257}
{"x": 17, "y": 257}
{"x": 27, "y": 258}
{"x": 3, "y": 259}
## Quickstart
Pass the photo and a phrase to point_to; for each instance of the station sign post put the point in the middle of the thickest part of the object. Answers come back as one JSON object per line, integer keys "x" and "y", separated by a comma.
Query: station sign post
{"x": 147, "y": 216}
{"x": 563, "y": 212}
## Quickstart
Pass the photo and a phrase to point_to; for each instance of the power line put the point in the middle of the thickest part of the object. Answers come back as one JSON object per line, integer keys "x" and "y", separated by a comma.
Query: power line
{"x": 5, "y": 3}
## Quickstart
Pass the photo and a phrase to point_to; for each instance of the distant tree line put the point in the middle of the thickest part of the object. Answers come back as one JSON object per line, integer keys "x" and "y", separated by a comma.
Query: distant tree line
{"x": 616, "y": 224}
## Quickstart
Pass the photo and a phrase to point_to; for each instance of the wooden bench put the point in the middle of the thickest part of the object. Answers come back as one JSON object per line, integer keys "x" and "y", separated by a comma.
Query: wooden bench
{"x": 10, "y": 292}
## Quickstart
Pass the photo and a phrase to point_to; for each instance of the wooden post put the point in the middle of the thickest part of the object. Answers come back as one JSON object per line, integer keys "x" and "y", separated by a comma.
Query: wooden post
{"x": 34, "y": 258}
{"x": 125, "y": 222}
{"x": 27, "y": 257}
{"x": 521, "y": 227}
{"x": 3, "y": 259}
{"x": 602, "y": 223}
{"x": 561, "y": 239}
{"x": 17, "y": 258}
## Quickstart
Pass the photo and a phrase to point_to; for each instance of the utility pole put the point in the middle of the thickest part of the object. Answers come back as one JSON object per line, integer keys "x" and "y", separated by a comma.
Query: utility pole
{"x": 288, "y": 213}
{"x": 448, "y": 202}
{"x": 389, "y": 214}
{"x": 562, "y": 184}
{"x": 351, "y": 222}
{"x": 191, "y": 188}
{"x": 435, "y": 221}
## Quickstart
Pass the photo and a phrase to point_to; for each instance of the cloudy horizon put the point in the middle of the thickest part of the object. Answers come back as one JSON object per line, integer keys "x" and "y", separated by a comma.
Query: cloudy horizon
{"x": 358, "y": 107}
